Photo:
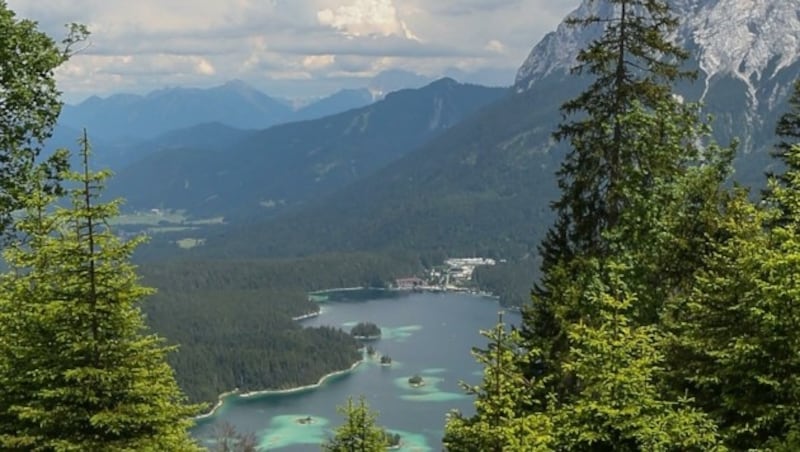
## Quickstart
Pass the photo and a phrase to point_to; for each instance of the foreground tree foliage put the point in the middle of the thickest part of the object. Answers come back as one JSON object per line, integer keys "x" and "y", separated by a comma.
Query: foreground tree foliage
{"x": 632, "y": 143}
{"x": 642, "y": 197}
{"x": 29, "y": 105}
{"x": 77, "y": 368}
{"x": 360, "y": 431}
{"x": 736, "y": 337}
{"x": 228, "y": 439}
{"x": 617, "y": 403}
{"x": 502, "y": 420}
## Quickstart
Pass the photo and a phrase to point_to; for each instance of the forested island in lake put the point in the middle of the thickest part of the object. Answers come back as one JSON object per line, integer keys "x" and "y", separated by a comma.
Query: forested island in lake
{"x": 366, "y": 331}
{"x": 416, "y": 381}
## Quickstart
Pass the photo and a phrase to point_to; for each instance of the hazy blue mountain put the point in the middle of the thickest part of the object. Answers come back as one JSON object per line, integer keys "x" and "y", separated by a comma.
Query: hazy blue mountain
{"x": 396, "y": 79}
{"x": 125, "y": 128}
{"x": 485, "y": 185}
{"x": 127, "y": 118}
{"x": 346, "y": 99}
{"x": 116, "y": 154}
{"x": 128, "y": 122}
{"x": 130, "y": 117}
{"x": 289, "y": 164}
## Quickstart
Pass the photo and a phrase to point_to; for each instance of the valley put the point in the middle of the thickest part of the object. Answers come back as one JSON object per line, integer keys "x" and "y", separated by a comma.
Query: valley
{"x": 288, "y": 254}
{"x": 244, "y": 223}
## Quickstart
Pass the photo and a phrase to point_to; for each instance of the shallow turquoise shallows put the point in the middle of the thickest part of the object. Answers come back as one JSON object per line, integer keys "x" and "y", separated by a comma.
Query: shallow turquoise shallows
{"x": 425, "y": 334}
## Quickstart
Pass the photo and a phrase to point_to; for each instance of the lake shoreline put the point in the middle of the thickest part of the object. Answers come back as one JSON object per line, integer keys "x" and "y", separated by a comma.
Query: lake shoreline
{"x": 251, "y": 394}
{"x": 268, "y": 392}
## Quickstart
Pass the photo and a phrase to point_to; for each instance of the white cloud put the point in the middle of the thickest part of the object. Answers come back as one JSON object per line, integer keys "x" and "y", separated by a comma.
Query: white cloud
{"x": 203, "y": 67}
{"x": 310, "y": 46}
{"x": 316, "y": 62}
{"x": 495, "y": 46}
{"x": 364, "y": 18}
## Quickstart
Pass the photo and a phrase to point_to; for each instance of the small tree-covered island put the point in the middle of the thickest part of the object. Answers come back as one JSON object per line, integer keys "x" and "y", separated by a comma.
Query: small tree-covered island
{"x": 366, "y": 331}
{"x": 416, "y": 381}
{"x": 308, "y": 420}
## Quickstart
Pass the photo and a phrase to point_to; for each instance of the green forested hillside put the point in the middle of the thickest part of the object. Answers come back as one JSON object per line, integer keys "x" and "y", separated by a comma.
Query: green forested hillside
{"x": 482, "y": 187}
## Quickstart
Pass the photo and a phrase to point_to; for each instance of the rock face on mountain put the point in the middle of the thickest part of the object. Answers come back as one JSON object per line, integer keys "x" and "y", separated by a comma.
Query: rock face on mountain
{"x": 746, "y": 52}
{"x": 751, "y": 40}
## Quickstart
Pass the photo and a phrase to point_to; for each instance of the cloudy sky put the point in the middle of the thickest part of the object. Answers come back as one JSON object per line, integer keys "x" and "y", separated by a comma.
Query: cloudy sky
{"x": 291, "y": 48}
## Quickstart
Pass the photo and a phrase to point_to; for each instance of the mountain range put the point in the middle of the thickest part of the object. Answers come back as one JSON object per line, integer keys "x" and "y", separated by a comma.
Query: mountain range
{"x": 282, "y": 166}
{"x": 484, "y": 186}
{"x": 130, "y": 117}
{"x": 382, "y": 177}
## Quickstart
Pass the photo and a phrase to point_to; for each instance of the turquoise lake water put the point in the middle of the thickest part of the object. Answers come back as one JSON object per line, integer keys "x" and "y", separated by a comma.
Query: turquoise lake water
{"x": 424, "y": 333}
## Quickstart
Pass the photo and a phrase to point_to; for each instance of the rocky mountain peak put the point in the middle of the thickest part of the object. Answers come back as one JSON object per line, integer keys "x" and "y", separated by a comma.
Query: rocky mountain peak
{"x": 751, "y": 40}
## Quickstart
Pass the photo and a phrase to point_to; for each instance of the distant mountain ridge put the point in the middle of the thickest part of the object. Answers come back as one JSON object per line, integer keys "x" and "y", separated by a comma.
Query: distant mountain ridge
{"x": 127, "y": 127}
{"x": 132, "y": 117}
{"x": 289, "y": 164}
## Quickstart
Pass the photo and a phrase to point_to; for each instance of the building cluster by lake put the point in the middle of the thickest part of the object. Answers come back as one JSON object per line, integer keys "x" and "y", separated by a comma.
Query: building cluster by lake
{"x": 456, "y": 274}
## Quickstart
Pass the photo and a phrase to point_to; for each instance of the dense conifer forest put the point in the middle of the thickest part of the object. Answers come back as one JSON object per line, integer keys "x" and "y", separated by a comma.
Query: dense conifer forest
{"x": 233, "y": 320}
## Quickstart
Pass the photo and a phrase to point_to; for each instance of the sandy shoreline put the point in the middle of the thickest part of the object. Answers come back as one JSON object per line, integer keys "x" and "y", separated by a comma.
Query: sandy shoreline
{"x": 246, "y": 395}
{"x": 220, "y": 402}
{"x": 310, "y": 315}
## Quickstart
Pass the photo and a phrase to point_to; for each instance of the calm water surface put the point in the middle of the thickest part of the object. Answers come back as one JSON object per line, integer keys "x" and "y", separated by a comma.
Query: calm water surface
{"x": 426, "y": 334}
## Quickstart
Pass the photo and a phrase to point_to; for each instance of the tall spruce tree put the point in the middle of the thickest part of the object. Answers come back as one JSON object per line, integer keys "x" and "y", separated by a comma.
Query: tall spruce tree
{"x": 633, "y": 144}
{"x": 78, "y": 370}
{"x": 360, "y": 431}
{"x": 502, "y": 420}
{"x": 788, "y": 132}
{"x": 788, "y": 128}
{"x": 633, "y": 65}
{"x": 633, "y": 62}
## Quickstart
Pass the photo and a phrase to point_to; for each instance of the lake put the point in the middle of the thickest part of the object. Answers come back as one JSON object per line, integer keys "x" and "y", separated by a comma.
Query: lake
{"x": 429, "y": 334}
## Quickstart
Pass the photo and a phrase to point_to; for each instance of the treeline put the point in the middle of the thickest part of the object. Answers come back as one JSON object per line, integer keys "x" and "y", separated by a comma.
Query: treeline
{"x": 310, "y": 273}
{"x": 233, "y": 320}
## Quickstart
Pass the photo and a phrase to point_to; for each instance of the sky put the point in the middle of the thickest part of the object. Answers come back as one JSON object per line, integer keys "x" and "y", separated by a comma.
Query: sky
{"x": 296, "y": 49}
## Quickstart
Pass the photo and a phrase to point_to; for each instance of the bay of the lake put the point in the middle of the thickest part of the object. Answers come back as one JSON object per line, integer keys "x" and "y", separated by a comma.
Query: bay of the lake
{"x": 426, "y": 334}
